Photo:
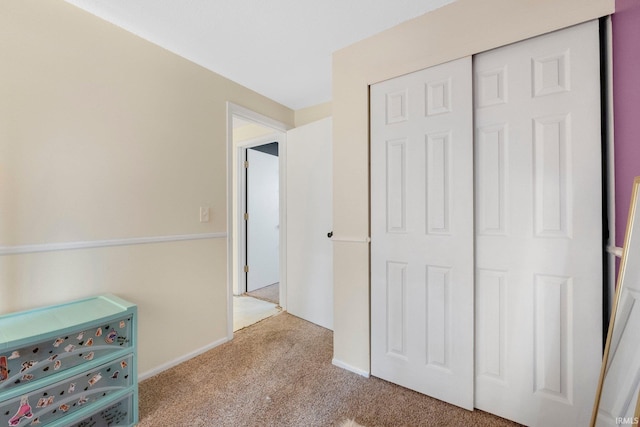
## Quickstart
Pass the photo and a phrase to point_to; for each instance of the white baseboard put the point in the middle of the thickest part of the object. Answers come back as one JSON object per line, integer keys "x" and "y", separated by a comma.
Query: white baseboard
{"x": 341, "y": 364}
{"x": 179, "y": 360}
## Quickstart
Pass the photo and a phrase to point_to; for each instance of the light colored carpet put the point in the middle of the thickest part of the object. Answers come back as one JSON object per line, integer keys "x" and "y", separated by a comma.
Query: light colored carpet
{"x": 269, "y": 293}
{"x": 247, "y": 311}
{"x": 278, "y": 373}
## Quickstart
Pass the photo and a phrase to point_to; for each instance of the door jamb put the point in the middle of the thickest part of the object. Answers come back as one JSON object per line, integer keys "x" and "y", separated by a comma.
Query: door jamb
{"x": 613, "y": 252}
{"x": 234, "y": 180}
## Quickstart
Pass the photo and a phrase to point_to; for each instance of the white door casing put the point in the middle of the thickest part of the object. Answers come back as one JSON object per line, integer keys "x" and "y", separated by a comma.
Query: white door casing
{"x": 309, "y": 219}
{"x": 422, "y": 322}
{"x": 236, "y": 248}
{"x": 263, "y": 225}
{"x": 538, "y": 228}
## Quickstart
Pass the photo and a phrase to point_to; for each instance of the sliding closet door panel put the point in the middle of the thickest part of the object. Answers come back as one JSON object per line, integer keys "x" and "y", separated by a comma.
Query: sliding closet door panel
{"x": 538, "y": 228}
{"x": 422, "y": 232}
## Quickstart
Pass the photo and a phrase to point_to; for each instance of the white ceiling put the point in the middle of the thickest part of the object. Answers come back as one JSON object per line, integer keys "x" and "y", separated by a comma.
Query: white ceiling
{"x": 278, "y": 48}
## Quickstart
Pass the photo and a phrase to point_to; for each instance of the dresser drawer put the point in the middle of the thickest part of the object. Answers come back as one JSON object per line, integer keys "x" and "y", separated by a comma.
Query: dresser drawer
{"x": 118, "y": 414}
{"x": 58, "y": 353}
{"x": 48, "y": 404}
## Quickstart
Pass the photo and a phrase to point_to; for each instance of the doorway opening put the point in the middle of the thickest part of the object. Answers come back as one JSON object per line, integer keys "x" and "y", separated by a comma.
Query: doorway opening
{"x": 262, "y": 222}
{"x": 256, "y": 194}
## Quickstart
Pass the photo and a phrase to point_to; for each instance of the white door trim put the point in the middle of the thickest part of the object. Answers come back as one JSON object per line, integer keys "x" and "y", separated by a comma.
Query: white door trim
{"x": 279, "y": 128}
{"x": 613, "y": 251}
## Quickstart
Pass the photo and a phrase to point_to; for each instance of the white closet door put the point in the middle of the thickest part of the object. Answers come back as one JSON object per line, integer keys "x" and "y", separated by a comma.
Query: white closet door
{"x": 539, "y": 228}
{"x": 422, "y": 232}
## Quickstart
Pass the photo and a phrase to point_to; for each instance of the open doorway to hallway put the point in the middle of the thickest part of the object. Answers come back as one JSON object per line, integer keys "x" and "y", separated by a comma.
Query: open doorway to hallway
{"x": 305, "y": 217}
{"x": 262, "y": 221}
{"x": 256, "y": 218}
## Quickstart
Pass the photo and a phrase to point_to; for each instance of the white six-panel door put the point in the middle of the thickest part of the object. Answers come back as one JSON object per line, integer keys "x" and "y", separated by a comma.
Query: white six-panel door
{"x": 539, "y": 228}
{"x": 531, "y": 182}
{"x": 422, "y": 232}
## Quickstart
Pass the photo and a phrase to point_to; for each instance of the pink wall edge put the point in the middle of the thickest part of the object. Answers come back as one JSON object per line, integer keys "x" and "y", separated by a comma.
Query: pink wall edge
{"x": 626, "y": 106}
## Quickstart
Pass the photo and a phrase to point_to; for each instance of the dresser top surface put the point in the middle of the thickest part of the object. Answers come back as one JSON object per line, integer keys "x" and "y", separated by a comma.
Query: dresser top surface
{"x": 42, "y": 321}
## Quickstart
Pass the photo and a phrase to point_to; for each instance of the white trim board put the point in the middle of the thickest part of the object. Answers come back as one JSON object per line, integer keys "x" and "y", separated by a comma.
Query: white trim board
{"x": 175, "y": 362}
{"x": 612, "y": 250}
{"x": 341, "y": 364}
{"x": 65, "y": 246}
{"x": 347, "y": 239}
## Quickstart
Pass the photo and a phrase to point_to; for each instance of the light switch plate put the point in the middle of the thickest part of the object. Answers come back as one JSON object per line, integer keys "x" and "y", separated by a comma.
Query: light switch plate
{"x": 204, "y": 214}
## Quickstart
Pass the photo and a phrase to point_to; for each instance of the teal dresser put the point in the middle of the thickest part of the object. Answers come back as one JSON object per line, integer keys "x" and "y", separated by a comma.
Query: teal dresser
{"x": 71, "y": 364}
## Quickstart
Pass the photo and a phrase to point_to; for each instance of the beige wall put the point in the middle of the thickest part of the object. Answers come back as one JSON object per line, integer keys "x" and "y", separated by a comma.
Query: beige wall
{"x": 312, "y": 114}
{"x": 454, "y": 31}
{"x": 105, "y": 136}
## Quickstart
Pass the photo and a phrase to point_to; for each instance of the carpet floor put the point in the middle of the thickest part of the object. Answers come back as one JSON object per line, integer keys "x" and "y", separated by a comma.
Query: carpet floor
{"x": 278, "y": 373}
{"x": 269, "y": 293}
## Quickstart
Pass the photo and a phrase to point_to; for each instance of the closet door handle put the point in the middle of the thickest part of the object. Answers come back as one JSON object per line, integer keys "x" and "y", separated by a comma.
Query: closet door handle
{"x": 330, "y": 234}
